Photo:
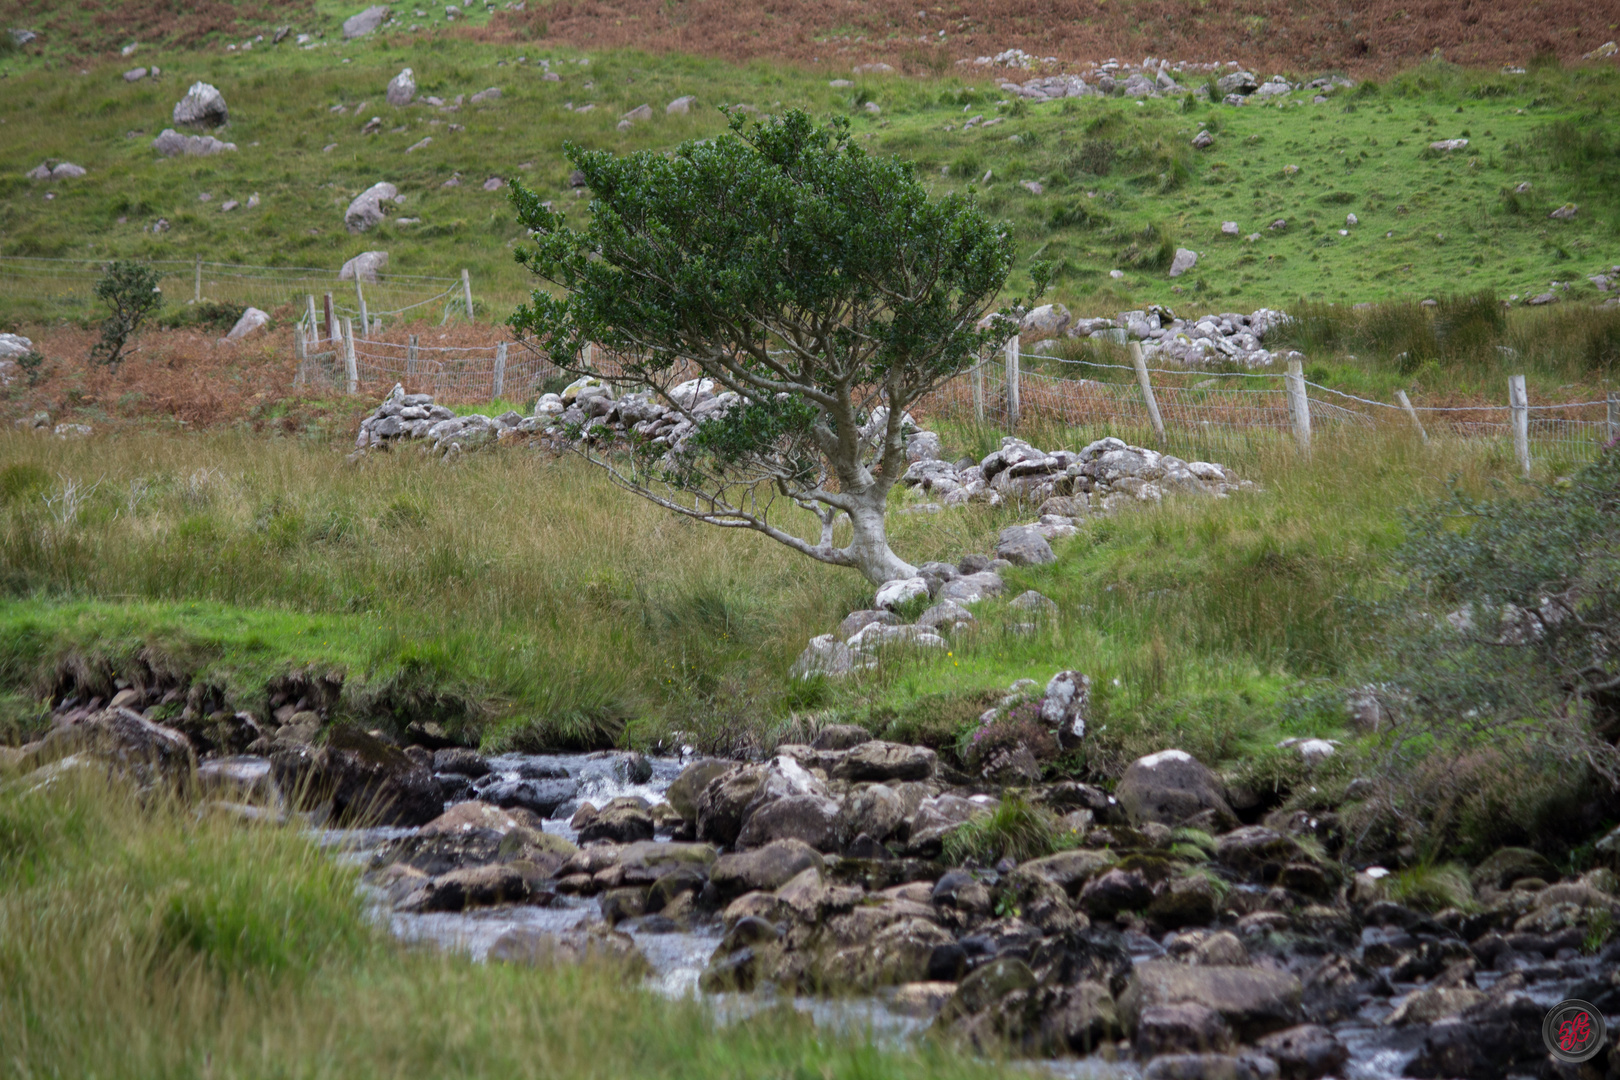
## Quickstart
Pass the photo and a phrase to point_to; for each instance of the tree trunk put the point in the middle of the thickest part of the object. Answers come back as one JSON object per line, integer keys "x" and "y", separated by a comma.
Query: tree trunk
{"x": 869, "y": 549}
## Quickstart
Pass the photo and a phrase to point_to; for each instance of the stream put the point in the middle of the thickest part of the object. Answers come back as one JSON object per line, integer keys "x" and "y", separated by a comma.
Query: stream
{"x": 679, "y": 957}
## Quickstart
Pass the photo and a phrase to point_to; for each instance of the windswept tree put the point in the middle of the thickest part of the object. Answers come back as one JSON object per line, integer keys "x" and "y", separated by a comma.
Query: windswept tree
{"x": 820, "y": 288}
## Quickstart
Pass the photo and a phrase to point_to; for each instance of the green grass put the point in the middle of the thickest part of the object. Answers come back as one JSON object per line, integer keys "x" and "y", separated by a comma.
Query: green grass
{"x": 531, "y": 600}
{"x": 1123, "y": 187}
{"x": 141, "y": 940}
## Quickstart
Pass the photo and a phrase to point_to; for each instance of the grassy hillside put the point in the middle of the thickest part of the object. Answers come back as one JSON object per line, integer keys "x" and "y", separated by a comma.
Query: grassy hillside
{"x": 1122, "y": 186}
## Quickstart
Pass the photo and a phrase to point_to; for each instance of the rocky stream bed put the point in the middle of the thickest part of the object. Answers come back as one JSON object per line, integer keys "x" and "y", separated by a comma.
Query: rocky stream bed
{"x": 1166, "y": 937}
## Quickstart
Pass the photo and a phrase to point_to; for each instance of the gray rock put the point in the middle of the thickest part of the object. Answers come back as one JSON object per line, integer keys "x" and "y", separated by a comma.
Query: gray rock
{"x": 639, "y": 114}
{"x": 1184, "y": 261}
{"x": 683, "y": 793}
{"x": 171, "y": 143}
{"x": 366, "y": 211}
{"x": 826, "y": 656}
{"x": 680, "y": 106}
{"x": 364, "y": 266}
{"x": 1023, "y": 545}
{"x": 1187, "y": 1027}
{"x": 402, "y": 89}
{"x": 1253, "y": 1001}
{"x": 883, "y": 761}
{"x": 461, "y": 762}
{"x": 1203, "y": 140}
{"x": 480, "y": 886}
{"x": 365, "y": 22}
{"x": 134, "y": 75}
{"x": 1116, "y": 891}
{"x": 1169, "y": 788}
{"x": 66, "y": 171}
{"x": 856, "y": 621}
{"x": 543, "y": 797}
{"x": 768, "y": 867}
{"x": 354, "y": 776}
{"x": 970, "y": 588}
{"x": 1065, "y": 706}
{"x": 809, "y": 819}
{"x": 1306, "y": 1052}
{"x": 900, "y": 592}
{"x": 203, "y": 106}
{"x": 1238, "y": 82}
{"x": 252, "y": 319}
{"x": 492, "y": 93}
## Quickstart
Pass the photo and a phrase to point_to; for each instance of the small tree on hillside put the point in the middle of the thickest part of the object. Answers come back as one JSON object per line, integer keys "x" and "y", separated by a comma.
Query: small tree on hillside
{"x": 130, "y": 290}
{"x": 819, "y": 285}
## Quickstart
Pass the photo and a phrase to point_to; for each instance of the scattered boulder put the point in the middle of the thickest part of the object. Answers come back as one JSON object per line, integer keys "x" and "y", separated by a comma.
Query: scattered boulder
{"x": 683, "y": 793}
{"x": 402, "y": 89}
{"x": 364, "y": 266}
{"x": 1184, "y": 261}
{"x": 252, "y": 319}
{"x": 763, "y": 868}
{"x": 1253, "y": 1001}
{"x": 1023, "y": 545}
{"x": 881, "y": 761}
{"x": 366, "y": 211}
{"x": 1306, "y": 1052}
{"x": 1511, "y": 864}
{"x": 365, "y": 22}
{"x": 356, "y": 777}
{"x": 203, "y": 106}
{"x": 1171, "y": 788}
{"x": 680, "y": 106}
{"x": 170, "y": 143}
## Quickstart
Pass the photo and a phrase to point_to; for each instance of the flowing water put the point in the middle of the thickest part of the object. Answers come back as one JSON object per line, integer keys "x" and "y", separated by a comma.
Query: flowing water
{"x": 678, "y": 958}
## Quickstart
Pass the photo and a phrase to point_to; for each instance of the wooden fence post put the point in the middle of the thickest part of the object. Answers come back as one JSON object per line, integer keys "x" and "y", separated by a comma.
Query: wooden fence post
{"x": 1614, "y": 415}
{"x": 500, "y": 371}
{"x": 196, "y": 288}
{"x": 1411, "y": 413}
{"x": 359, "y": 294}
{"x": 1519, "y": 404}
{"x": 312, "y": 329}
{"x": 410, "y": 357}
{"x": 1147, "y": 390}
{"x": 331, "y": 326}
{"x": 466, "y": 292}
{"x": 351, "y": 363}
{"x": 978, "y": 392}
{"x": 1299, "y": 406}
{"x": 1012, "y": 382}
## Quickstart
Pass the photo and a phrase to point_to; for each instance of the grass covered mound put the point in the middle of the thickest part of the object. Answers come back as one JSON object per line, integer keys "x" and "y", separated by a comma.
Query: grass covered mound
{"x": 143, "y": 939}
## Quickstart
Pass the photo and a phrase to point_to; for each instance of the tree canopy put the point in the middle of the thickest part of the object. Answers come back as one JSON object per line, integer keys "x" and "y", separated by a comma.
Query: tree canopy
{"x": 822, "y": 288}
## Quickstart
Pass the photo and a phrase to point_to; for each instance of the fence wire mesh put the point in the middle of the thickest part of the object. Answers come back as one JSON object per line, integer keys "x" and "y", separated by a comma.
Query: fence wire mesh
{"x": 1203, "y": 413}
{"x": 37, "y": 288}
{"x": 1232, "y": 412}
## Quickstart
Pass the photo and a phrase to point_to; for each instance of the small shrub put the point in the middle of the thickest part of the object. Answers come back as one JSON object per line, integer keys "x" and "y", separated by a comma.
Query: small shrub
{"x": 1016, "y": 830}
{"x": 1432, "y": 888}
{"x": 130, "y": 290}
{"x": 216, "y": 315}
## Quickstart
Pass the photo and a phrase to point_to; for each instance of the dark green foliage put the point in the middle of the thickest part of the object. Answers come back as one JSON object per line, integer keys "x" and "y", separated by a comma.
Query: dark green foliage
{"x": 810, "y": 279}
{"x": 216, "y": 315}
{"x": 1502, "y": 679}
{"x": 130, "y": 290}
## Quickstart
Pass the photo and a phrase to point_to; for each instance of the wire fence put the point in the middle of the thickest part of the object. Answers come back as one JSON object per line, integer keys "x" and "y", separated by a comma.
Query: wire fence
{"x": 1234, "y": 412}
{"x": 37, "y": 289}
{"x": 1230, "y": 413}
